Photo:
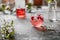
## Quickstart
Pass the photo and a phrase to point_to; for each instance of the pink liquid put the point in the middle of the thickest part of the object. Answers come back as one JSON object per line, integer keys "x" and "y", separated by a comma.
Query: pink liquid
{"x": 37, "y": 22}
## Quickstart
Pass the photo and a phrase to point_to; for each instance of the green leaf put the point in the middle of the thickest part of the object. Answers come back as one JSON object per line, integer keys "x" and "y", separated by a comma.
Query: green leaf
{"x": 29, "y": 6}
{"x": 49, "y": 1}
{"x": 7, "y": 36}
{"x": 12, "y": 22}
{"x": 1, "y": 9}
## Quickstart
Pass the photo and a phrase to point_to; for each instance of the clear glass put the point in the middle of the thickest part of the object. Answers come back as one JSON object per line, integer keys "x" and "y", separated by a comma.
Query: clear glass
{"x": 52, "y": 14}
{"x": 52, "y": 10}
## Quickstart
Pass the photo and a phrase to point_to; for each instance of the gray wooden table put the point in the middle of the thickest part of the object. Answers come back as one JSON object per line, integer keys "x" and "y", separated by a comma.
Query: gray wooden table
{"x": 25, "y": 31}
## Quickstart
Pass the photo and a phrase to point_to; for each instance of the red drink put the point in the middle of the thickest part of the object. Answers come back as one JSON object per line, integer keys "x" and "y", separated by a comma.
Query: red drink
{"x": 20, "y": 13}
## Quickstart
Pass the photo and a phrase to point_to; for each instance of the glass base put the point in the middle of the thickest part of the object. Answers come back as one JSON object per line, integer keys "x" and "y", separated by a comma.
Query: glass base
{"x": 53, "y": 20}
